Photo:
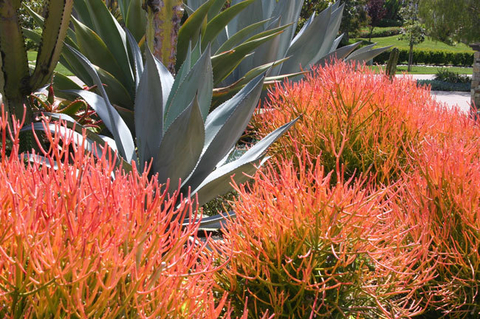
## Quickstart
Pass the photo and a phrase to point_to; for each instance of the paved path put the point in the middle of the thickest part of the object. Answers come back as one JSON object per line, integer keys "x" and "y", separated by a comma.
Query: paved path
{"x": 452, "y": 98}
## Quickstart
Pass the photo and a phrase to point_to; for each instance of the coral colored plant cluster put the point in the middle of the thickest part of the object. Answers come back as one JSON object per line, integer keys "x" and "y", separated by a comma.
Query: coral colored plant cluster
{"x": 76, "y": 243}
{"x": 359, "y": 122}
{"x": 369, "y": 209}
{"x": 302, "y": 248}
{"x": 439, "y": 206}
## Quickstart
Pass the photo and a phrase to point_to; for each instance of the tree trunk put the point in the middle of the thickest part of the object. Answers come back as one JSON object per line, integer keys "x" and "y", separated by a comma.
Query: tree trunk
{"x": 410, "y": 54}
{"x": 163, "y": 23}
{"x": 370, "y": 35}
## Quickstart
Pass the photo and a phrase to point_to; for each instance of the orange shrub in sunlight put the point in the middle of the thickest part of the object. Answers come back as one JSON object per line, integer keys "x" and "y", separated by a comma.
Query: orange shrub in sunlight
{"x": 440, "y": 205}
{"x": 358, "y": 121}
{"x": 301, "y": 248}
{"x": 74, "y": 242}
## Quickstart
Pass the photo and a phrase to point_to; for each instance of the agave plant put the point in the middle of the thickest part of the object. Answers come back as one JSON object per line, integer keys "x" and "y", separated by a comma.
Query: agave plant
{"x": 248, "y": 38}
{"x": 315, "y": 43}
{"x": 175, "y": 136}
{"x": 16, "y": 80}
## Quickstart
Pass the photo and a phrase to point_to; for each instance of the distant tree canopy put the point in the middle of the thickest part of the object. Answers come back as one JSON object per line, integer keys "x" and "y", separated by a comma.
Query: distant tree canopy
{"x": 393, "y": 9}
{"x": 354, "y": 17}
{"x": 376, "y": 11}
{"x": 450, "y": 21}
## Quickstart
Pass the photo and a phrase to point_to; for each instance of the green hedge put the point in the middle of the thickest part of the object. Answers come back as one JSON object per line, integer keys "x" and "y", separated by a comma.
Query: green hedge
{"x": 426, "y": 56}
{"x": 380, "y": 32}
{"x": 436, "y": 85}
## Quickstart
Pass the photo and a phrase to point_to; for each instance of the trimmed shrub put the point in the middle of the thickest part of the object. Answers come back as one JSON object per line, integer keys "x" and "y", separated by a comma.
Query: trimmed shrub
{"x": 76, "y": 243}
{"x": 434, "y": 57}
{"x": 380, "y": 32}
{"x": 390, "y": 23}
{"x": 436, "y": 85}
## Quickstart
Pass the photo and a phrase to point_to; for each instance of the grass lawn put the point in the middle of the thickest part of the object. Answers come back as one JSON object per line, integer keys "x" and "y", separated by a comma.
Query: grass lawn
{"x": 427, "y": 44}
{"x": 421, "y": 69}
{"x": 32, "y": 56}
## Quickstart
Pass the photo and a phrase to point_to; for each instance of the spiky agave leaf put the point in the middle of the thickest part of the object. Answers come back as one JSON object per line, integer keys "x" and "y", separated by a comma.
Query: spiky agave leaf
{"x": 14, "y": 72}
{"x": 57, "y": 14}
{"x": 191, "y": 148}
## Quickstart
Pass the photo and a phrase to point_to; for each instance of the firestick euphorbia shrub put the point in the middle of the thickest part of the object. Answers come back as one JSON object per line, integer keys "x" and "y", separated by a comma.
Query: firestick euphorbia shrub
{"x": 76, "y": 243}
{"x": 300, "y": 247}
{"x": 355, "y": 119}
{"x": 441, "y": 204}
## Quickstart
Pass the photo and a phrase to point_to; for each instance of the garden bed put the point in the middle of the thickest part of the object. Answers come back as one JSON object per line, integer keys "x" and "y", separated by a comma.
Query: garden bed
{"x": 367, "y": 208}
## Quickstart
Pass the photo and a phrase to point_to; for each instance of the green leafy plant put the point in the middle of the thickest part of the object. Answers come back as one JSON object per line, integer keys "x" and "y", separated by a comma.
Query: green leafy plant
{"x": 431, "y": 57}
{"x": 448, "y": 76}
{"x": 175, "y": 136}
{"x": 160, "y": 120}
{"x": 240, "y": 51}
{"x": 436, "y": 85}
{"x": 315, "y": 42}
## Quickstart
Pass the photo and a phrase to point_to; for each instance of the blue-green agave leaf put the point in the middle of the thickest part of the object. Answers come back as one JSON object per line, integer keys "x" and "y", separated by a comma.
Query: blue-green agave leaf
{"x": 340, "y": 53}
{"x": 189, "y": 31}
{"x": 223, "y": 128}
{"x": 315, "y": 42}
{"x": 181, "y": 146}
{"x": 136, "y": 54}
{"x": 304, "y": 27}
{"x": 287, "y": 14}
{"x": 112, "y": 33}
{"x": 336, "y": 43}
{"x": 330, "y": 40}
{"x": 238, "y": 37}
{"x": 219, "y": 181}
{"x": 363, "y": 54}
{"x": 184, "y": 69}
{"x": 199, "y": 80}
{"x": 114, "y": 88}
{"x": 106, "y": 111}
{"x": 95, "y": 49}
{"x": 223, "y": 64}
{"x": 221, "y": 20}
{"x": 152, "y": 92}
{"x": 215, "y": 186}
{"x": 135, "y": 19}
{"x": 253, "y": 13}
{"x": 82, "y": 12}
{"x": 123, "y": 6}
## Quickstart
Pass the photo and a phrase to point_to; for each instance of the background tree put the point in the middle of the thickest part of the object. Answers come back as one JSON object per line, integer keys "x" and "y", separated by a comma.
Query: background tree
{"x": 413, "y": 30}
{"x": 376, "y": 11}
{"x": 354, "y": 18}
{"x": 393, "y": 9}
{"x": 450, "y": 21}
